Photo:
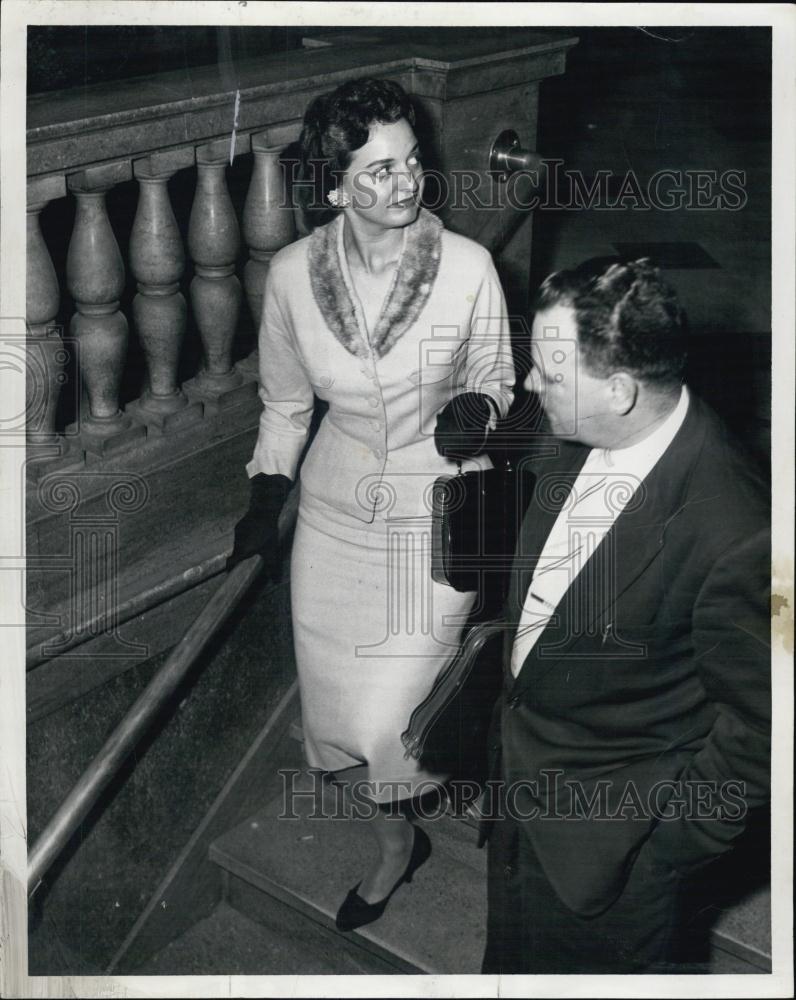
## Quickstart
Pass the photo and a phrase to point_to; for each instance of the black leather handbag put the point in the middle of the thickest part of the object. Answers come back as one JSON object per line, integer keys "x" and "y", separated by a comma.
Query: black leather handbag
{"x": 447, "y": 731}
{"x": 475, "y": 523}
{"x": 476, "y": 517}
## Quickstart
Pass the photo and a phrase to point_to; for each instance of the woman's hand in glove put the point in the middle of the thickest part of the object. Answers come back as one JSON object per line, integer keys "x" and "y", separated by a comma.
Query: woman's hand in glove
{"x": 257, "y": 531}
{"x": 463, "y": 425}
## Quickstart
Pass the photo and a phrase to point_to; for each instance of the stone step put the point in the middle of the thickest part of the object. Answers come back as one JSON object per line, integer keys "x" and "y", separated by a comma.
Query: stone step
{"x": 273, "y": 940}
{"x": 310, "y": 861}
{"x": 742, "y": 931}
{"x": 466, "y": 819}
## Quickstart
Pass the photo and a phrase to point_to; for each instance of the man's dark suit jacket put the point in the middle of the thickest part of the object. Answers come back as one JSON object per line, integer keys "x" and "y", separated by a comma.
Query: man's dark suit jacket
{"x": 655, "y": 668}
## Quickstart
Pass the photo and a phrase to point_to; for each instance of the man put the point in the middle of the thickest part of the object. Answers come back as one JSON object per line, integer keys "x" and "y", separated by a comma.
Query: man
{"x": 635, "y": 715}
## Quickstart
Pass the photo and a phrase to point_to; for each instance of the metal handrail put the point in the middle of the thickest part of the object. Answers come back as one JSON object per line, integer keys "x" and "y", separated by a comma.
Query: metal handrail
{"x": 78, "y": 803}
{"x": 76, "y": 806}
{"x": 135, "y": 605}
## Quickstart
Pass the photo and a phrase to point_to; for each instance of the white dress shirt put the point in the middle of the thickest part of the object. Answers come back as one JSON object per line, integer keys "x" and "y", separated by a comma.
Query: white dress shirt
{"x": 604, "y": 487}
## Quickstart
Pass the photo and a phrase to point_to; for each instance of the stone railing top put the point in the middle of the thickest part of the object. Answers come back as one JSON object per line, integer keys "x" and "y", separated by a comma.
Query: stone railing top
{"x": 72, "y": 128}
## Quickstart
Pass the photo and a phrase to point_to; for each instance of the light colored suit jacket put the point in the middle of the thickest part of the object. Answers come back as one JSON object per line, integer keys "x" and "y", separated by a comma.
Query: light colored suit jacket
{"x": 443, "y": 330}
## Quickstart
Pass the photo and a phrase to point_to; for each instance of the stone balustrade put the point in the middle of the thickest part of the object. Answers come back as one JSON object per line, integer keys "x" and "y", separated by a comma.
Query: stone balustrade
{"x": 95, "y": 280}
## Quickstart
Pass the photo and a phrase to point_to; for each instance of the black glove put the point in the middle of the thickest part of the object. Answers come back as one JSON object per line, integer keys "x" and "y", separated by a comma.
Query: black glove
{"x": 462, "y": 426}
{"x": 256, "y": 532}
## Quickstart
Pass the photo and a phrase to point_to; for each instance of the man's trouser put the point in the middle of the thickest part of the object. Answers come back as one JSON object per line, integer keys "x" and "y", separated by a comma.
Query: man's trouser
{"x": 529, "y": 929}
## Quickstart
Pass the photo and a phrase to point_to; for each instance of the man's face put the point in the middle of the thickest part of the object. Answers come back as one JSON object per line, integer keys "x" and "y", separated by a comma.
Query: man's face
{"x": 575, "y": 402}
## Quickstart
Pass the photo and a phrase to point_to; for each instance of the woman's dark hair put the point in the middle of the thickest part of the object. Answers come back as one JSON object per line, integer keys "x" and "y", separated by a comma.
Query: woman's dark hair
{"x": 336, "y": 124}
{"x": 627, "y": 318}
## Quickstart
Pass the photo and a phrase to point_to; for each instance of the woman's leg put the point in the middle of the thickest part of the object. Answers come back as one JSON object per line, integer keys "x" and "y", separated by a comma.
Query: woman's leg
{"x": 394, "y": 836}
{"x": 402, "y": 849}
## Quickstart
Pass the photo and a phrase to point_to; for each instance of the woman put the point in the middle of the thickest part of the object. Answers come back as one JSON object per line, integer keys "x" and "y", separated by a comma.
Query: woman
{"x": 401, "y": 326}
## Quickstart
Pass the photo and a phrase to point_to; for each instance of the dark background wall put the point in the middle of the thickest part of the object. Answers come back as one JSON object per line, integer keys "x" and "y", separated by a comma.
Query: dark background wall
{"x": 685, "y": 99}
{"x": 62, "y": 57}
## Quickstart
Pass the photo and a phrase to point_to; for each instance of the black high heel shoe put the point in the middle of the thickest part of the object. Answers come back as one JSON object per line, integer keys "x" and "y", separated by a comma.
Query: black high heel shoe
{"x": 355, "y": 912}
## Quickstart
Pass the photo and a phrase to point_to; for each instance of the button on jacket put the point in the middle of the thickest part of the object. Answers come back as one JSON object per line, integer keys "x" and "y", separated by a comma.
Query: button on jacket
{"x": 442, "y": 330}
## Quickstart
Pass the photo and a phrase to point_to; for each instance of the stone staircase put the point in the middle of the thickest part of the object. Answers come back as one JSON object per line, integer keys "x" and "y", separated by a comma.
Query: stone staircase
{"x": 310, "y": 862}
{"x": 286, "y": 869}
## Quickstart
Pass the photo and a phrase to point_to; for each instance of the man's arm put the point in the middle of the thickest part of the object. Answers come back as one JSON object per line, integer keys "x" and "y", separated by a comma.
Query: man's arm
{"x": 731, "y": 628}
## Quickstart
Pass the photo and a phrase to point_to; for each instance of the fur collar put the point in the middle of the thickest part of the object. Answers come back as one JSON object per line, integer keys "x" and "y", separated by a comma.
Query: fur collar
{"x": 415, "y": 275}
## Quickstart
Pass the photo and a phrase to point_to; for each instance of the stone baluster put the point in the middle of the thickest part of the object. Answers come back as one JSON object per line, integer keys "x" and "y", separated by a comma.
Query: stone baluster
{"x": 268, "y": 222}
{"x": 157, "y": 260}
{"x": 213, "y": 242}
{"x": 46, "y": 353}
{"x": 95, "y": 278}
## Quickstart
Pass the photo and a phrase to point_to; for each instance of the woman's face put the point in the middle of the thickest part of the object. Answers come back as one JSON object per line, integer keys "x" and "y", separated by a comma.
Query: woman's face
{"x": 383, "y": 182}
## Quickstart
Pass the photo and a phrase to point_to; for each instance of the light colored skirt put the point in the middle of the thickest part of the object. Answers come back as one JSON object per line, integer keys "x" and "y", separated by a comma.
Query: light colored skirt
{"x": 372, "y": 631}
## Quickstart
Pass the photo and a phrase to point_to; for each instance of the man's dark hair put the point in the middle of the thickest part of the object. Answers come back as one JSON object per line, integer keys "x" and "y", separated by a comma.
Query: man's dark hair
{"x": 628, "y": 318}
{"x": 336, "y": 124}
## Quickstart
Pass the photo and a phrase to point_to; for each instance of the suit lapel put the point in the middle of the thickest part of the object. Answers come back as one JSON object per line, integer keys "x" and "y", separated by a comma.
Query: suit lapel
{"x": 634, "y": 541}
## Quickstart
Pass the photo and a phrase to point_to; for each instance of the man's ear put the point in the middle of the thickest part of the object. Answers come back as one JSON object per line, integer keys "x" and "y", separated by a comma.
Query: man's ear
{"x": 622, "y": 393}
